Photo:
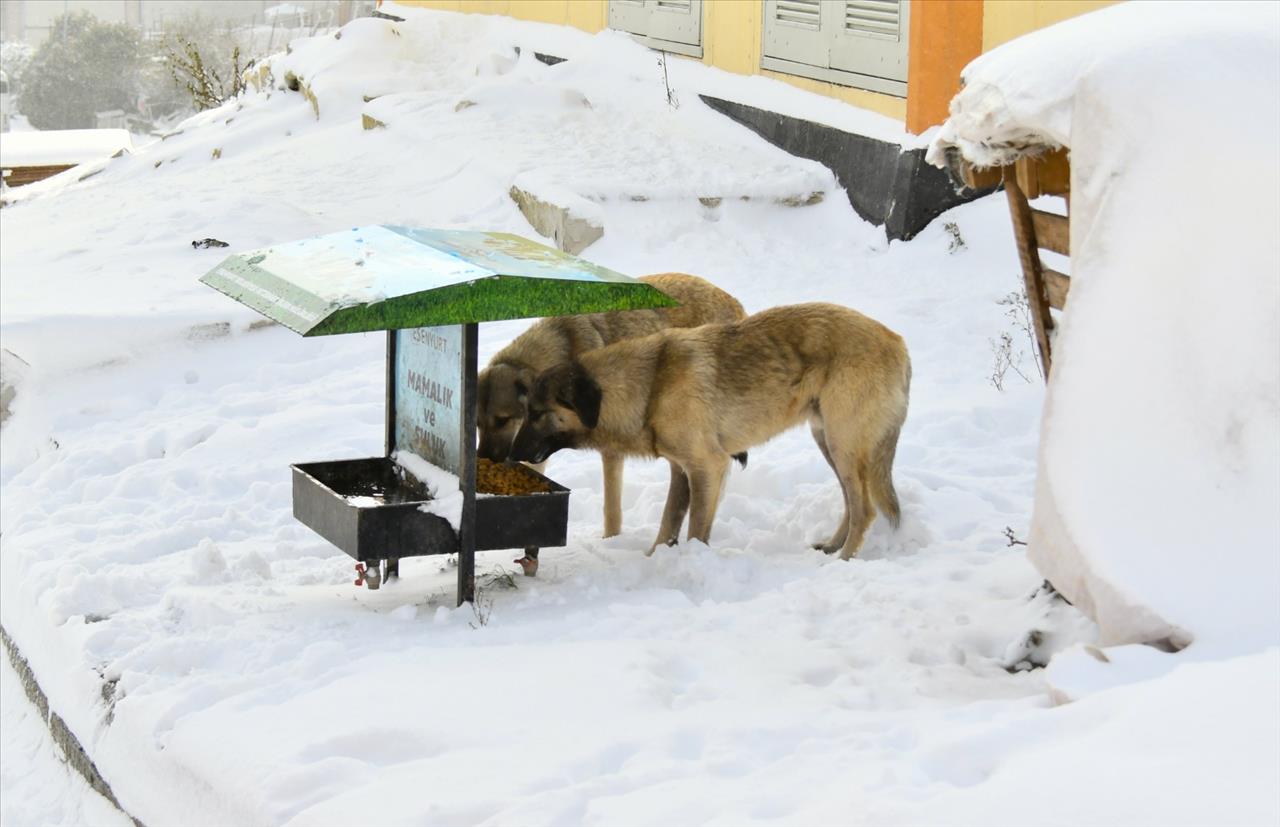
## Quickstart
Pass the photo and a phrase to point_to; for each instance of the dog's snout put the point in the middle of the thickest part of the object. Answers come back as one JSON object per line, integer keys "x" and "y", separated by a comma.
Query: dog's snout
{"x": 492, "y": 447}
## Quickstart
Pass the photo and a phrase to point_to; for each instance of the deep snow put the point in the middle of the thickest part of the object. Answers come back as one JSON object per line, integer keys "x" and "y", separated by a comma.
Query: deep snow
{"x": 148, "y": 543}
{"x": 1158, "y": 503}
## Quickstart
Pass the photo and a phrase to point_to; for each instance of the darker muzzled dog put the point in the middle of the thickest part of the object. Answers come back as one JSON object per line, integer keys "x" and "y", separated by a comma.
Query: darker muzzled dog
{"x": 504, "y": 385}
{"x": 696, "y": 397}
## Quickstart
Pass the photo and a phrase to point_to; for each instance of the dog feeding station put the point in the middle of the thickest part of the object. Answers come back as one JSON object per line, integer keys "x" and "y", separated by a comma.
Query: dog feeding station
{"x": 429, "y": 289}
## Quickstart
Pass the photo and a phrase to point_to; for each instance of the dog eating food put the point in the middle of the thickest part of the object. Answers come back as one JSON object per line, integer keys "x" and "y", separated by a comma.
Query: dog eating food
{"x": 504, "y": 384}
{"x": 698, "y": 396}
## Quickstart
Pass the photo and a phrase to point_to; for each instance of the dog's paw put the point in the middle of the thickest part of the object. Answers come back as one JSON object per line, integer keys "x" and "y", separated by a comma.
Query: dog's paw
{"x": 674, "y": 541}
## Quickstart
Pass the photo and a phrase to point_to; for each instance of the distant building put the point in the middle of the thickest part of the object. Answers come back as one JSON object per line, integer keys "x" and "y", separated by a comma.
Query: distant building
{"x": 31, "y": 20}
{"x": 287, "y": 15}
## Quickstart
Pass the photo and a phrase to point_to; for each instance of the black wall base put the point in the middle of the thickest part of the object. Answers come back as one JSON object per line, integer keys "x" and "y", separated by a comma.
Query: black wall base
{"x": 887, "y": 186}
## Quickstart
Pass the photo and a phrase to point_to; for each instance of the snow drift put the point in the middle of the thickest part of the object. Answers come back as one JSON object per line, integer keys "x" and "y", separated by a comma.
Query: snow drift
{"x": 1156, "y": 502}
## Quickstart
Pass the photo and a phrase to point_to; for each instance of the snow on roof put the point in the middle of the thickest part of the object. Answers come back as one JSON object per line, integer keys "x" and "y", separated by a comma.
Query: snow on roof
{"x": 1019, "y": 98}
{"x": 61, "y": 146}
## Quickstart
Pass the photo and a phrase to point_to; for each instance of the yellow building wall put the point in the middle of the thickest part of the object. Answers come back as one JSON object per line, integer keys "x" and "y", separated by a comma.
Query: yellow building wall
{"x": 895, "y": 108}
{"x": 1003, "y": 20}
{"x": 731, "y": 33}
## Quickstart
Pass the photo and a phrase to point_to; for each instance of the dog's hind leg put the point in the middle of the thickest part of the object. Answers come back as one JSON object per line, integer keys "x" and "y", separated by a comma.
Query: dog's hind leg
{"x": 850, "y": 442}
{"x": 860, "y": 510}
{"x": 837, "y": 539}
{"x": 613, "y": 465}
{"x": 673, "y": 514}
{"x": 705, "y": 483}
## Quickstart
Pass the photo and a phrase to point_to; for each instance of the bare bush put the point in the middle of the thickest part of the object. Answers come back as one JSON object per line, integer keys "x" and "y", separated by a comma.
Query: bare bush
{"x": 1007, "y": 356}
{"x": 208, "y": 87}
{"x": 672, "y": 100}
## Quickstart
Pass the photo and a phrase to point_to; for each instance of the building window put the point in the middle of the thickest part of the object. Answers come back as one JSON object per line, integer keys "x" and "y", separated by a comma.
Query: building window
{"x": 670, "y": 25}
{"x": 860, "y": 43}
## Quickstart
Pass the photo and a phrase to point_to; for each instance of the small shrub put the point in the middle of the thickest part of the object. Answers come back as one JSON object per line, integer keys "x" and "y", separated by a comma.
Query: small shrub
{"x": 207, "y": 86}
{"x": 1007, "y": 357}
{"x": 956, "y": 244}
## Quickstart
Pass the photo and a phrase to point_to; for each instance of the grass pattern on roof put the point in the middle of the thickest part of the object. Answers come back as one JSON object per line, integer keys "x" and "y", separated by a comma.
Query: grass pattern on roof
{"x": 492, "y": 299}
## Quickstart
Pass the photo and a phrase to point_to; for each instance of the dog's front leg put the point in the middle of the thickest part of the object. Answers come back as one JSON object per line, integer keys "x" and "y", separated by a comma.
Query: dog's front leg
{"x": 673, "y": 514}
{"x": 613, "y": 465}
{"x": 705, "y": 482}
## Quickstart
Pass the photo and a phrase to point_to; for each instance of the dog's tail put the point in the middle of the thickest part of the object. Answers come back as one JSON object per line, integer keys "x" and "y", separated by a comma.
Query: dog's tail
{"x": 741, "y": 459}
{"x": 880, "y": 478}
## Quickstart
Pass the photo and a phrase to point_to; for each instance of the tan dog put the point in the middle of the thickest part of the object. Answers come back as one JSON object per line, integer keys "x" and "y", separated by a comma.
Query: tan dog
{"x": 696, "y": 397}
{"x": 504, "y": 384}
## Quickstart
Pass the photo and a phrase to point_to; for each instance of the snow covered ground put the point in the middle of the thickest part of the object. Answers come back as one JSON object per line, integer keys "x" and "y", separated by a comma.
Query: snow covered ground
{"x": 215, "y": 659}
{"x": 35, "y": 786}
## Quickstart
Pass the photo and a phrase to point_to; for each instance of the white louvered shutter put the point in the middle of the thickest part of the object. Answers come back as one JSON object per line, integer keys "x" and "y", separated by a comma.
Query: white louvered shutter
{"x": 793, "y": 31}
{"x": 871, "y": 38}
{"x": 679, "y": 21}
{"x": 629, "y": 16}
{"x": 665, "y": 21}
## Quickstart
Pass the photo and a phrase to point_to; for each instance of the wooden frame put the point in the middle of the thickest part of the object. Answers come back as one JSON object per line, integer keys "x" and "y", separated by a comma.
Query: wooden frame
{"x": 1035, "y": 230}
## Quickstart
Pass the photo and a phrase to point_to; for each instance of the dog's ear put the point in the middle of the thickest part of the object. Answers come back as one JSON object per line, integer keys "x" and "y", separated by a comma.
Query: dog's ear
{"x": 525, "y": 377}
{"x": 579, "y": 393}
{"x": 587, "y": 393}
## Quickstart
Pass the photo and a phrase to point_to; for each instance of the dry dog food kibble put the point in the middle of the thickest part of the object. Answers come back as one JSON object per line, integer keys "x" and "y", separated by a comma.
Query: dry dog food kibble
{"x": 511, "y": 480}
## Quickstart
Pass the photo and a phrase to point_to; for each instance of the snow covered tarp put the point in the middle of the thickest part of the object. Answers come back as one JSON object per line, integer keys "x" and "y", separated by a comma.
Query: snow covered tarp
{"x": 1159, "y": 482}
{"x": 61, "y": 147}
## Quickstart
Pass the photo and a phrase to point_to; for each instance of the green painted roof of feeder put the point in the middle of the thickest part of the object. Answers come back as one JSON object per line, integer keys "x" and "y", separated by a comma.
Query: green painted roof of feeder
{"x": 387, "y": 277}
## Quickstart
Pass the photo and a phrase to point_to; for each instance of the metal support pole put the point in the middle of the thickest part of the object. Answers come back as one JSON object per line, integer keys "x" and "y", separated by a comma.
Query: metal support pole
{"x": 393, "y": 563}
{"x": 467, "y": 477}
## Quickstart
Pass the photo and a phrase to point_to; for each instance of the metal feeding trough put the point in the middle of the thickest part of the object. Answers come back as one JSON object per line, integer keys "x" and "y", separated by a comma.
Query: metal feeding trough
{"x": 428, "y": 289}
